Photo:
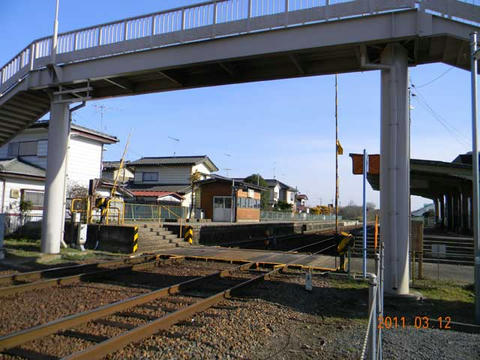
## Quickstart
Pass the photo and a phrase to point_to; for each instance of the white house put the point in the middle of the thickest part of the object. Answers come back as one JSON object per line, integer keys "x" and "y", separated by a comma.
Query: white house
{"x": 85, "y": 151}
{"x": 23, "y": 161}
{"x": 159, "y": 176}
{"x": 280, "y": 191}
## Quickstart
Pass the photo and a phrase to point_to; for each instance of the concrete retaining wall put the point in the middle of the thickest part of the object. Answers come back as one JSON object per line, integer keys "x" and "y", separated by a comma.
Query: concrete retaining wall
{"x": 218, "y": 233}
{"x": 112, "y": 238}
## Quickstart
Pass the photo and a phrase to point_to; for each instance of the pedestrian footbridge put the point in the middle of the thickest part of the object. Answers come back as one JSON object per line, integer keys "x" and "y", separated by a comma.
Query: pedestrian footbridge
{"x": 224, "y": 42}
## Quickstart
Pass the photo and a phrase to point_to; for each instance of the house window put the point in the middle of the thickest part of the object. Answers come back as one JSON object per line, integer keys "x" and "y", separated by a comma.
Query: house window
{"x": 246, "y": 203}
{"x": 42, "y": 148}
{"x": 13, "y": 149}
{"x": 150, "y": 176}
{"x": 34, "y": 197}
{"x": 27, "y": 148}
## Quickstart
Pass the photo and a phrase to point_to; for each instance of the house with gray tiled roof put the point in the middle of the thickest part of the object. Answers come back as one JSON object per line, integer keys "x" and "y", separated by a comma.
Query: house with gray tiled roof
{"x": 280, "y": 191}
{"x": 171, "y": 174}
{"x": 23, "y": 161}
{"x": 20, "y": 180}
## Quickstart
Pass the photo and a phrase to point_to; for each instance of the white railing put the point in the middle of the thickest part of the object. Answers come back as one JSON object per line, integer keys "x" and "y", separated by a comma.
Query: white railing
{"x": 372, "y": 348}
{"x": 213, "y": 12}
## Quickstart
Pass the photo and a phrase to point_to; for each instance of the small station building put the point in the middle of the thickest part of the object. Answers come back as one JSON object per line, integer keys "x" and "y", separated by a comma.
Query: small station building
{"x": 216, "y": 193}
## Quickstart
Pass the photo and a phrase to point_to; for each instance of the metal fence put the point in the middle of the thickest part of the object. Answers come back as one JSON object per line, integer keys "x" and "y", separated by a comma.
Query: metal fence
{"x": 372, "y": 345}
{"x": 27, "y": 224}
{"x": 210, "y": 13}
{"x": 147, "y": 212}
{"x": 290, "y": 216}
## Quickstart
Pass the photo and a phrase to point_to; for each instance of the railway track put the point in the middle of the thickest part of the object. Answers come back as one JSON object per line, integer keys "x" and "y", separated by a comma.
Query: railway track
{"x": 95, "y": 333}
{"x": 21, "y": 282}
{"x": 24, "y": 277}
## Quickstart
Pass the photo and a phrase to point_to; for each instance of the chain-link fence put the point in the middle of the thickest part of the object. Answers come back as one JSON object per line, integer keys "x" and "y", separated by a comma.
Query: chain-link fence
{"x": 28, "y": 225}
{"x": 290, "y": 216}
{"x": 147, "y": 212}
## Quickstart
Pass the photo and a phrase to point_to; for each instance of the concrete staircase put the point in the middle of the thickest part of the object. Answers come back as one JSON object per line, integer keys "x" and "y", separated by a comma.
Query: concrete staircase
{"x": 154, "y": 237}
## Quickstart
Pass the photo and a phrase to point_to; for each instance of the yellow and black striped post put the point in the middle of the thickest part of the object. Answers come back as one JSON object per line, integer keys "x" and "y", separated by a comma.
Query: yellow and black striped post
{"x": 188, "y": 236}
{"x": 135, "y": 239}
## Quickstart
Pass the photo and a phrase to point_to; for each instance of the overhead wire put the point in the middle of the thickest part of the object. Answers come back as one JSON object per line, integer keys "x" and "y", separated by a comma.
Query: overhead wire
{"x": 456, "y": 134}
{"x": 435, "y": 79}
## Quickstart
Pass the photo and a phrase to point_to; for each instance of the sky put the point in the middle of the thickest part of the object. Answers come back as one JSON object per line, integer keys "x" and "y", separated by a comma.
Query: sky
{"x": 283, "y": 128}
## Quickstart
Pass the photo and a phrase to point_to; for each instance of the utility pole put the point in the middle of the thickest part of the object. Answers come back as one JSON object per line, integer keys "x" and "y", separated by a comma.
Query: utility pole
{"x": 336, "y": 154}
{"x": 55, "y": 33}
{"x": 476, "y": 201}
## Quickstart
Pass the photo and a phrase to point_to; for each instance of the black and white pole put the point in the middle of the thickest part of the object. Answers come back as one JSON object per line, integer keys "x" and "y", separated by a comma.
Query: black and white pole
{"x": 365, "y": 167}
{"x": 476, "y": 201}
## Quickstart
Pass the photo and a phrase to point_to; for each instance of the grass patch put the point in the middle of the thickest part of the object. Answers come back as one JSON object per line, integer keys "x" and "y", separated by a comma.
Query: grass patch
{"x": 441, "y": 298}
{"x": 346, "y": 283}
{"x": 445, "y": 290}
{"x": 28, "y": 251}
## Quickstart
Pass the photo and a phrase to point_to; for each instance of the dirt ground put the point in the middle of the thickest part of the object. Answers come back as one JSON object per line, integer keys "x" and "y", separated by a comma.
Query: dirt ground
{"x": 276, "y": 319}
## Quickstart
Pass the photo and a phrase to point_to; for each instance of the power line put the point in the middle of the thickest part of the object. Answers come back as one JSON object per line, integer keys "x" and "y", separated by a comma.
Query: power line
{"x": 459, "y": 137}
{"x": 435, "y": 79}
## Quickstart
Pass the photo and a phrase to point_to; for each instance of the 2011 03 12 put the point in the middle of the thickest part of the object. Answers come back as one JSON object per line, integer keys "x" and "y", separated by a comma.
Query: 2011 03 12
{"x": 418, "y": 322}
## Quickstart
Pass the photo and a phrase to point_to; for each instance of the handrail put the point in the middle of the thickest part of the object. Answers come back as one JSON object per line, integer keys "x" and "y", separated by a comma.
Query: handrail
{"x": 173, "y": 10}
{"x": 195, "y": 16}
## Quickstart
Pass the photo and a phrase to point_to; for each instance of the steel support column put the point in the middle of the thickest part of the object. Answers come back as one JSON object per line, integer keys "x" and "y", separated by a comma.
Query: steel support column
{"x": 465, "y": 228}
{"x": 437, "y": 210}
{"x": 54, "y": 205}
{"x": 442, "y": 210}
{"x": 449, "y": 211}
{"x": 395, "y": 168}
{"x": 456, "y": 212}
{"x": 470, "y": 213}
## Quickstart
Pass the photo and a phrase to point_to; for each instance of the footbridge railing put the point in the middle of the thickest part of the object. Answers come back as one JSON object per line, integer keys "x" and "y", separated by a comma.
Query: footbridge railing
{"x": 207, "y": 20}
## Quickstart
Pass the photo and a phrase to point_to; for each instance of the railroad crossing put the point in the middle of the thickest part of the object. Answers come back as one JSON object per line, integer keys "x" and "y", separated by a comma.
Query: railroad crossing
{"x": 234, "y": 41}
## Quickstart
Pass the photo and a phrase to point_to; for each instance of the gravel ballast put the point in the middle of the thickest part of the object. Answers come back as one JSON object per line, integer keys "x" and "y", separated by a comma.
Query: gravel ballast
{"x": 275, "y": 319}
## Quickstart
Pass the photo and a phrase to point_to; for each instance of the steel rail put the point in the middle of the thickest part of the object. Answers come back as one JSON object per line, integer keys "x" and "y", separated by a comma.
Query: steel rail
{"x": 256, "y": 262}
{"x": 104, "y": 348}
{"x": 310, "y": 245}
{"x": 18, "y": 338}
{"x": 66, "y": 280}
{"x": 35, "y": 275}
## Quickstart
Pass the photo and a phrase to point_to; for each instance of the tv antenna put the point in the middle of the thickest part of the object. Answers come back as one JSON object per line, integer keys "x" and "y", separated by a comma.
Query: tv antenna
{"x": 227, "y": 171}
{"x": 102, "y": 109}
{"x": 175, "y": 140}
